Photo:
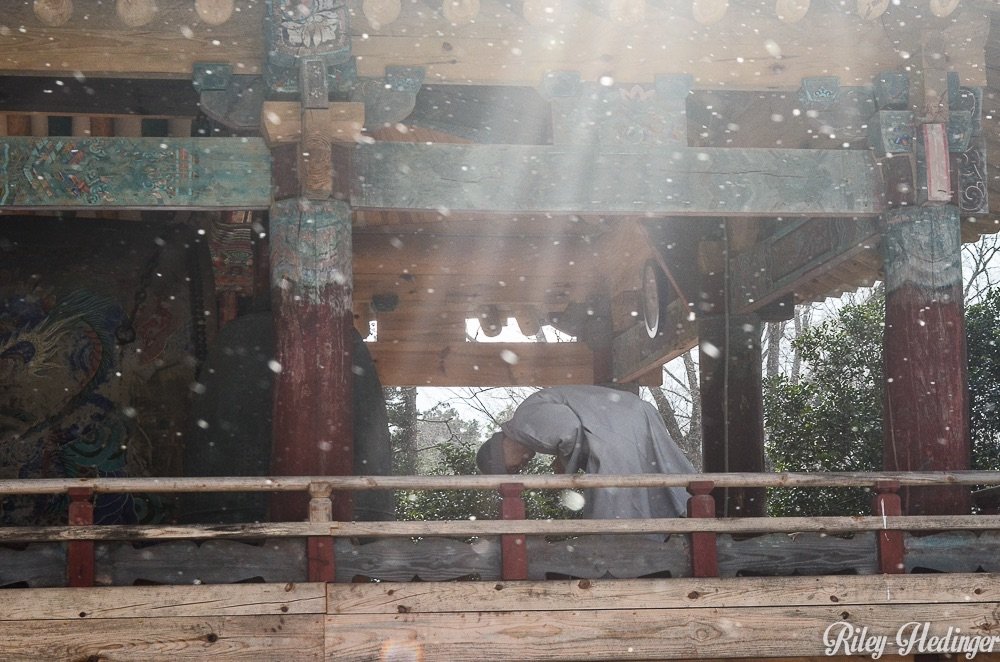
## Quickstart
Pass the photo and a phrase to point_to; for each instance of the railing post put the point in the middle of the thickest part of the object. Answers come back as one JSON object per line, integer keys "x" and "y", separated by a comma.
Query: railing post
{"x": 704, "y": 552}
{"x": 80, "y": 553}
{"x": 513, "y": 547}
{"x": 319, "y": 551}
{"x": 887, "y": 503}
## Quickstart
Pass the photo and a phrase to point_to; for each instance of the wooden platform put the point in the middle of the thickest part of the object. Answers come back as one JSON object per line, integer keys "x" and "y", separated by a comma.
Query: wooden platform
{"x": 554, "y": 620}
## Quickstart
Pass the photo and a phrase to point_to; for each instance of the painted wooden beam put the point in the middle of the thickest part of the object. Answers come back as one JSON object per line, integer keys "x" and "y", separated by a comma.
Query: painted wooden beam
{"x": 134, "y": 173}
{"x": 483, "y": 364}
{"x": 693, "y": 182}
{"x": 797, "y": 252}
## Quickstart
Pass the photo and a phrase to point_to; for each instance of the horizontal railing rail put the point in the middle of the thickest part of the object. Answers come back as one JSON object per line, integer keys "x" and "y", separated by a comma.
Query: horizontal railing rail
{"x": 702, "y": 524}
{"x": 476, "y": 528}
{"x": 477, "y": 482}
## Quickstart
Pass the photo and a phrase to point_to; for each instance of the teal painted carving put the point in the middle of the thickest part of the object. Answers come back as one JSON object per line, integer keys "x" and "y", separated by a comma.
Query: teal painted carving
{"x": 296, "y": 29}
{"x": 135, "y": 173}
{"x": 820, "y": 90}
{"x": 923, "y": 247}
{"x": 892, "y": 132}
{"x": 972, "y": 191}
{"x": 311, "y": 247}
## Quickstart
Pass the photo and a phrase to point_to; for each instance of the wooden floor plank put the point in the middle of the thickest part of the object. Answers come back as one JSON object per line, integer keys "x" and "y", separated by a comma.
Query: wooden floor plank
{"x": 257, "y": 638}
{"x": 162, "y": 601}
{"x": 639, "y": 634}
{"x": 628, "y": 594}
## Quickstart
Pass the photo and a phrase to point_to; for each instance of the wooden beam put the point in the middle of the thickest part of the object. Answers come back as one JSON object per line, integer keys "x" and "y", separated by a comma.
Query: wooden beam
{"x": 271, "y": 637}
{"x": 674, "y": 593}
{"x": 281, "y": 121}
{"x": 150, "y": 98}
{"x": 166, "y": 601}
{"x": 798, "y": 252}
{"x": 168, "y": 46}
{"x": 729, "y": 54}
{"x": 467, "y": 292}
{"x": 135, "y": 173}
{"x": 483, "y": 364}
{"x": 649, "y": 633}
{"x": 168, "y": 485}
{"x": 465, "y": 528}
{"x": 557, "y": 259}
{"x": 634, "y": 353}
{"x": 691, "y": 182}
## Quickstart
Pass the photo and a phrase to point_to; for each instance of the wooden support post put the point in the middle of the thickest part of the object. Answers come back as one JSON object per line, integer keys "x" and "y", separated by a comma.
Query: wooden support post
{"x": 886, "y": 503}
{"x": 321, "y": 564}
{"x": 311, "y": 292}
{"x": 926, "y": 406}
{"x": 704, "y": 552}
{"x": 513, "y": 547}
{"x": 729, "y": 365}
{"x": 598, "y": 332}
{"x": 80, "y": 553}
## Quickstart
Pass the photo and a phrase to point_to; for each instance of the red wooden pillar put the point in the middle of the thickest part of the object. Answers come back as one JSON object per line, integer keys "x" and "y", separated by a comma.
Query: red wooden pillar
{"x": 926, "y": 394}
{"x": 732, "y": 397}
{"x": 513, "y": 547}
{"x": 886, "y": 503}
{"x": 80, "y": 553}
{"x": 704, "y": 551}
{"x": 311, "y": 299}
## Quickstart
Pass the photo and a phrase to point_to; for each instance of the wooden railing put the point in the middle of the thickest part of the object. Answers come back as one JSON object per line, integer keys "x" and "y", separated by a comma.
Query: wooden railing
{"x": 320, "y": 529}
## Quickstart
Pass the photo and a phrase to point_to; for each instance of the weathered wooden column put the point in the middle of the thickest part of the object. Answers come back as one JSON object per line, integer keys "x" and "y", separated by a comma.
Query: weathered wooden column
{"x": 926, "y": 392}
{"x": 311, "y": 302}
{"x": 311, "y": 275}
{"x": 926, "y": 131}
{"x": 730, "y": 376}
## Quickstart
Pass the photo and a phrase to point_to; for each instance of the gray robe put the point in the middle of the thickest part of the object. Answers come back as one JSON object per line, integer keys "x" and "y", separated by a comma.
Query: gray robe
{"x": 604, "y": 431}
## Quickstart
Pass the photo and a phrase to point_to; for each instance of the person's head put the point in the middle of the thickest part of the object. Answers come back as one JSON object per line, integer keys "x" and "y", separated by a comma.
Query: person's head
{"x": 502, "y": 455}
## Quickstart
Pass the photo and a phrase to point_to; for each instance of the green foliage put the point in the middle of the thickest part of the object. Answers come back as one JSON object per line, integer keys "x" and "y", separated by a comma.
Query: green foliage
{"x": 983, "y": 332}
{"x": 831, "y": 419}
{"x": 458, "y": 457}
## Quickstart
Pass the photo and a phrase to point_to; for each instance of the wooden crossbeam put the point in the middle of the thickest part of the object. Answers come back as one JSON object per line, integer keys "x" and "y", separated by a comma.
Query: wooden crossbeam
{"x": 483, "y": 364}
{"x": 103, "y": 44}
{"x": 690, "y": 182}
{"x": 772, "y": 268}
{"x": 634, "y": 353}
{"x": 134, "y": 173}
{"x": 557, "y": 258}
{"x": 729, "y": 53}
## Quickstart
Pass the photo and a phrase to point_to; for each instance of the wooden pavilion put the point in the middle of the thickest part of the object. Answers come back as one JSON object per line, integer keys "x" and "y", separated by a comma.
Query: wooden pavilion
{"x": 645, "y": 175}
